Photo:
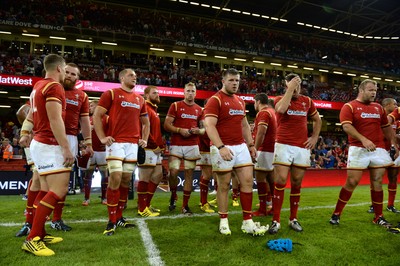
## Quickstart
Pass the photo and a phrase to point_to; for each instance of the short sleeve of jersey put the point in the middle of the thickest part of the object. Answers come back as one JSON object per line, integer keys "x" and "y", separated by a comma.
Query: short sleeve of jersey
{"x": 212, "y": 107}
{"x": 143, "y": 109}
{"x": 54, "y": 93}
{"x": 346, "y": 114}
{"x": 312, "y": 109}
{"x": 172, "y": 110}
{"x": 106, "y": 100}
{"x": 395, "y": 114}
{"x": 85, "y": 106}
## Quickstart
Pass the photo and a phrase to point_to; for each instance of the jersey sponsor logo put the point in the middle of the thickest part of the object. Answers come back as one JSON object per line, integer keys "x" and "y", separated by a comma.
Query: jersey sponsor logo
{"x": 369, "y": 115}
{"x": 236, "y": 112}
{"x": 129, "y": 104}
{"x": 296, "y": 112}
{"x": 188, "y": 116}
{"x": 69, "y": 101}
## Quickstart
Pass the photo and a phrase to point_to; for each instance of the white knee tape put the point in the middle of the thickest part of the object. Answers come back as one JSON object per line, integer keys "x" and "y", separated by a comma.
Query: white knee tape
{"x": 103, "y": 168}
{"x": 175, "y": 164}
{"x": 114, "y": 166}
{"x": 128, "y": 167}
{"x": 189, "y": 164}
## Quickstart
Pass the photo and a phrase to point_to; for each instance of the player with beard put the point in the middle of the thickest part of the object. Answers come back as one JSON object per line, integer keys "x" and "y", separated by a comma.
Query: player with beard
{"x": 292, "y": 148}
{"x": 182, "y": 121}
{"x": 77, "y": 115}
{"x": 366, "y": 125}
{"x": 98, "y": 159}
{"x": 128, "y": 127}
{"x": 228, "y": 129}
{"x": 50, "y": 150}
{"x": 150, "y": 172}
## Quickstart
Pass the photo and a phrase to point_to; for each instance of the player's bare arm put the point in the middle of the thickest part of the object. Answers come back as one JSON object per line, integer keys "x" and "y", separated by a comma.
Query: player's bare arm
{"x": 99, "y": 112}
{"x": 282, "y": 106}
{"x": 350, "y": 130}
{"x": 212, "y": 132}
{"x": 144, "y": 119}
{"x": 312, "y": 141}
{"x": 169, "y": 126}
{"x": 246, "y": 131}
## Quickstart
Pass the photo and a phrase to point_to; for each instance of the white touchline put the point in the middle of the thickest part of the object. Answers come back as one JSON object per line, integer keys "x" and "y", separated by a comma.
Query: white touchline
{"x": 152, "y": 251}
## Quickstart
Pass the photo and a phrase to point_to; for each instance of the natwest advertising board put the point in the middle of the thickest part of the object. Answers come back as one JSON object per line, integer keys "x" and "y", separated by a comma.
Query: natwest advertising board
{"x": 97, "y": 86}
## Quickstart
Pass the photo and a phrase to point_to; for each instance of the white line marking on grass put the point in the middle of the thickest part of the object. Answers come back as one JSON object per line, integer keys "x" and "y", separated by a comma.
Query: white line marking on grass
{"x": 151, "y": 248}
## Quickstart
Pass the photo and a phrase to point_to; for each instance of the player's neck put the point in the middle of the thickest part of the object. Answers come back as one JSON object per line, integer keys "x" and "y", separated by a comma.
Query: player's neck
{"x": 188, "y": 102}
{"x": 127, "y": 89}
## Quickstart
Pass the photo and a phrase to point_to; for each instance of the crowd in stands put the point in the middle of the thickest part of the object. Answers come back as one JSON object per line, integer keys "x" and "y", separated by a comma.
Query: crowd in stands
{"x": 109, "y": 17}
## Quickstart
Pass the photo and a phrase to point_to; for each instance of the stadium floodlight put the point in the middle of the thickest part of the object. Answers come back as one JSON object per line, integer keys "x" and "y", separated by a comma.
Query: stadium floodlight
{"x": 276, "y": 64}
{"x": 338, "y": 72}
{"x": 157, "y": 49}
{"x": 24, "y": 97}
{"x": 194, "y": 3}
{"x": 236, "y": 11}
{"x": 258, "y": 62}
{"x": 390, "y": 80}
{"x": 178, "y": 52}
{"x": 300, "y": 23}
{"x": 110, "y": 43}
{"x": 292, "y": 66}
{"x": 30, "y": 35}
{"x": 205, "y": 5}
{"x": 5, "y": 106}
{"x": 219, "y": 56}
{"x": 5, "y": 32}
{"x": 364, "y": 76}
{"x": 308, "y": 68}
{"x": 351, "y": 74}
{"x": 323, "y": 70}
{"x": 376, "y": 78}
{"x": 240, "y": 59}
{"x": 57, "y": 38}
{"x": 83, "y": 40}
{"x": 199, "y": 54}
{"x": 3, "y": 92}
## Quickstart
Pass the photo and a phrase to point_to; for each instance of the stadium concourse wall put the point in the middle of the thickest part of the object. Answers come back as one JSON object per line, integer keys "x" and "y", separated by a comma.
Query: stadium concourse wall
{"x": 15, "y": 182}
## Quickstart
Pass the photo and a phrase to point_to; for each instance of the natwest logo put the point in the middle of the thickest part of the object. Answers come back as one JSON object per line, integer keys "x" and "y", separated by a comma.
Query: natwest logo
{"x": 18, "y": 81}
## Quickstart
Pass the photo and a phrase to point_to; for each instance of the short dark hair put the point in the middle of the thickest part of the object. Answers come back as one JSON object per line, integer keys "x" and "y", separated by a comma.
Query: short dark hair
{"x": 230, "y": 71}
{"x": 51, "y": 61}
{"x": 290, "y": 76}
{"x": 262, "y": 97}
